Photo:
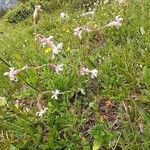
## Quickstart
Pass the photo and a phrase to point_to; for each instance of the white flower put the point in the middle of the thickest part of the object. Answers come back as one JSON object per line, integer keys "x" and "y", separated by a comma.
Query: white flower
{"x": 45, "y": 41}
{"x": 94, "y": 73}
{"x": 63, "y": 16}
{"x": 41, "y": 112}
{"x": 48, "y": 41}
{"x": 88, "y": 13}
{"x": 59, "y": 68}
{"x": 84, "y": 71}
{"x": 55, "y": 94}
{"x": 56, "y": 49}
{"x": 13, "y": 73}
{"x": 78, "y": 32}
{"x": 117, "y": 23}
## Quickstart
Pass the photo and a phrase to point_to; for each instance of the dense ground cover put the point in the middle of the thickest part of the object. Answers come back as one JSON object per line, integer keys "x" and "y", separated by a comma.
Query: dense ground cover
{"x": 93, "y": 95}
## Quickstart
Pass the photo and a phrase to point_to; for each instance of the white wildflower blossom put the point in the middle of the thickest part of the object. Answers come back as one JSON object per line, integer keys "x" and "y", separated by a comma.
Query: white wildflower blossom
{"x": 44, "y": 41}
{"x": 48, "y": 41}
{"x": 117, "y": 22}
{"x": 56, "y": 49}
{"x": 63, "y": 16}
{"x": 59, "y": 68}
{"x": 41, "y": 112}
{"x": 55, "y": 94}
{"x": 84, "y": 71}
{"x": 79, "y": 30}
{"x": 94, "y": 73}
{"x": 12, "y": 74}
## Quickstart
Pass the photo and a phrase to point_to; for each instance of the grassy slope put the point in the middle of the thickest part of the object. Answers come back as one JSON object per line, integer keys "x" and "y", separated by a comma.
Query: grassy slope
{"x": 120, "y": 81}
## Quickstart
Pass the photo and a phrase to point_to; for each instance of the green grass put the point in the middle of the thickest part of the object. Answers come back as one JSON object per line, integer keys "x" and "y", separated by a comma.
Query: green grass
{"x": 114, "y": 112}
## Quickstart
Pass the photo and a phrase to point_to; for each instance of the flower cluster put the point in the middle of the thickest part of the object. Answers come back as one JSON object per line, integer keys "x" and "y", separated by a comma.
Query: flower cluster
{"x": 56, "y": 48}
{"x": 49, "y": 42}
{"x": 37, "y": 13}
{"x": 85, "y": 71}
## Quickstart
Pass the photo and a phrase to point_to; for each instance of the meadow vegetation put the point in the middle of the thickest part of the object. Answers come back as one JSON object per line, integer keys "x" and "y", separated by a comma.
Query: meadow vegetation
{"x": 75, "y": 80}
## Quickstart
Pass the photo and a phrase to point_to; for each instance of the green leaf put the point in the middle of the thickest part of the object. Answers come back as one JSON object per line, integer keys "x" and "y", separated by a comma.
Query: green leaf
{"x": 97, "y": 144}
{"x": 3, "y": 101}
{"x": 146, "y": 77}
{"x": 142, "y": 30}
{"x": 91, "y": 62}
{"x": 12, "y": 147}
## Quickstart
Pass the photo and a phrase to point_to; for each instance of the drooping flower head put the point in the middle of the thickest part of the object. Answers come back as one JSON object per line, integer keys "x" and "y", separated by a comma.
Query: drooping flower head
{"x": 56, "y": 49}
{"x": 37, "y": 13}
{"x": 116, "y": 23}
{"x": 94, "y": 73}
{"x": 12, "y": 74}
